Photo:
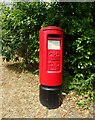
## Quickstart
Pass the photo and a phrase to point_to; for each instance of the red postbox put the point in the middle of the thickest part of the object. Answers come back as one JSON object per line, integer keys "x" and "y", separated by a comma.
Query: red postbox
{"x": 50, "y": 56}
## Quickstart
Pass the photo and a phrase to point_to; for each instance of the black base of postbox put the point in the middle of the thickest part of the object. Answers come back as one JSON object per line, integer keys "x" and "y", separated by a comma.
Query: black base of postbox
{"x": 51, "y": 97}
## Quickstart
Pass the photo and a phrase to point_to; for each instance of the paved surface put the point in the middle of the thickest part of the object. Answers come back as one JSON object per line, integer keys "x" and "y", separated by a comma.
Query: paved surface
{"x": 21, "y": 97}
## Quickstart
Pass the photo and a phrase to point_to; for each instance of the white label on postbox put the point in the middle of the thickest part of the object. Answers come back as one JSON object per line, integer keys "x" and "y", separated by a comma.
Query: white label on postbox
{"x": 54, "y": 44}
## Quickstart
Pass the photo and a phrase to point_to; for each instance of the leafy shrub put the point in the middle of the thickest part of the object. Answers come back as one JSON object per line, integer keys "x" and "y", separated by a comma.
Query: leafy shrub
{"x": 20, "y": 27}
{"x": 22, "y": 22}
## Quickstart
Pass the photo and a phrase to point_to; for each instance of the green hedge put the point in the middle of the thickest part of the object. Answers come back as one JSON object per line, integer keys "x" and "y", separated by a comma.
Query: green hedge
{"x": 20, "y": 27}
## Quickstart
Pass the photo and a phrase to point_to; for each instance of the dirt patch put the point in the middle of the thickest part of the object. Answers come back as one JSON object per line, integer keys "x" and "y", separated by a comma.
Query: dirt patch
{"x": 21, "y": 97}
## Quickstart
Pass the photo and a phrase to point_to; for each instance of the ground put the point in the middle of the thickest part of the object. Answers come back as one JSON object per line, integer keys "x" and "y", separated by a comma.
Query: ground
{"x": 20, "y": 94}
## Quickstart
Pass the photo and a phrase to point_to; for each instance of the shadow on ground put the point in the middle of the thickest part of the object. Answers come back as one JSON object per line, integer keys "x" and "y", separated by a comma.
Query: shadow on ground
{"x": 67, "y": 80}
{"x": 19, "y": 67}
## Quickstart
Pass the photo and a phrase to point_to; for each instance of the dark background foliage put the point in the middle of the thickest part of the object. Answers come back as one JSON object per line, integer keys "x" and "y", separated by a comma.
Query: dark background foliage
{"x": 21, "y": 23}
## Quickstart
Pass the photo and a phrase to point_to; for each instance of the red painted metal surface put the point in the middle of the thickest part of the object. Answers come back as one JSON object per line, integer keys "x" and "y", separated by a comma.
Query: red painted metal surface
{"x": 50, "y": 58}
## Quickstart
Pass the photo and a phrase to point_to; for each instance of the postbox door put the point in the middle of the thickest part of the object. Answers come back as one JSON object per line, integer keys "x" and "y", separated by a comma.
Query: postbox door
{"x": 54, "y": 52}
{"x": 54, "y": 60}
